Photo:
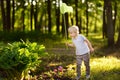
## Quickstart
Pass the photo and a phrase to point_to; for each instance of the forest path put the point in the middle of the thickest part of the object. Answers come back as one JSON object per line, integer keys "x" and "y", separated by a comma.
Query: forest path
{"x": 99, "y": 52}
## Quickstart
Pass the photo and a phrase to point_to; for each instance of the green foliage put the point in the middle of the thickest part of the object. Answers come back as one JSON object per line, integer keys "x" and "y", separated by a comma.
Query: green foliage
{"x": 20, "y": 56}
{"x": 30, "y": 35}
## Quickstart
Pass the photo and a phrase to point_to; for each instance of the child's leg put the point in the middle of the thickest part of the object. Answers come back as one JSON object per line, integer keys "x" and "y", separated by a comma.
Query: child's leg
{"x": 78, "y": 65}
{"x": 86, "y": 59}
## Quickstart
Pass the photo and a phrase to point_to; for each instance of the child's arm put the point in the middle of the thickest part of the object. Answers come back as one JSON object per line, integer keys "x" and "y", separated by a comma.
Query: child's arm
{"x": 89, "y": 45}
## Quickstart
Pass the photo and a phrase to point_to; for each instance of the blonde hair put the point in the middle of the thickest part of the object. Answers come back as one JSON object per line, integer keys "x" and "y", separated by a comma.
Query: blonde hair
{"x": 73, "y": 29}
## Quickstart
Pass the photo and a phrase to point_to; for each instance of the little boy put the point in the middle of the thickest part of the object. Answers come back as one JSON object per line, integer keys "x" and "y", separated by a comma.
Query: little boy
{"x": 83, "y": 48}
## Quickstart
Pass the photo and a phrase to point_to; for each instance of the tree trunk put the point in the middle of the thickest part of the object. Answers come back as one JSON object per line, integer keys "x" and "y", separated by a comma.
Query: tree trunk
{"x": 80, "y": 28}
{"x": 49, "y": 15}
{"x": 67, "y": 23}
{"x": 13, "y": 14}
{"x": 46, "y": 27}
{"x": 115, "y": 15}
{"x": 58, "y": 17}
{"x": 23, "y": 15}
{"x": 43, "y": 13}
{"x": 95, "y": 24}
{"x": 76, "y": 12}
{"x": 3, "y": 15}
{"x": 118, "y": 40}
{"x": 23, "y": 19}
{"x": 104, "y": 27}
{"x": 8, "y": 15}
{"x": 110, "y": 28}
{"x": 31, "y": 15}
{"x": 35, "y": 17}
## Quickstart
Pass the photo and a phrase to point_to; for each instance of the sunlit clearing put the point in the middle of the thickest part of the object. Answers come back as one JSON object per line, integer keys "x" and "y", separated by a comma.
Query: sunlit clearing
{"x": 105, "y": 63}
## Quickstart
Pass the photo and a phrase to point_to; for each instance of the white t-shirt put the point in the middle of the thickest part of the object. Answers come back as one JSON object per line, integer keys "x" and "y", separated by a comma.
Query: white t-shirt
{"x": 80, "y": 45}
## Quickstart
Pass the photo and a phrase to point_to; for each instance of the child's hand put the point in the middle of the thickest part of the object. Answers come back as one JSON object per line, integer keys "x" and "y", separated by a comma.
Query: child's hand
{"x": 67, "y": 44}
{"x": 91, "y": 50}
{"x": 70, "y": 44}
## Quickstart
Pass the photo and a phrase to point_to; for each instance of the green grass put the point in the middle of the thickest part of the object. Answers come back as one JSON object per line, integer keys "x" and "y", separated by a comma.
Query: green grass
{"x": 105, "y": 68}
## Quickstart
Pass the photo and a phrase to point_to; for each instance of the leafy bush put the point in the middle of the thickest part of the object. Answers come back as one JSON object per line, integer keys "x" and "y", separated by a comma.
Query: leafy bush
{"x": 19, "y": 57}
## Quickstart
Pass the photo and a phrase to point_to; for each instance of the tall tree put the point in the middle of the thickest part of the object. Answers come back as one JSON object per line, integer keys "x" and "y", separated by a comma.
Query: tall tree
{"x": 95, "y": 23}
{"x": 8, "y": 15}
{"x": 36, "y": 16}
{"x": 76, "y": 12}
{"x": 104, "y": 25}
{"x": 118, "y": 40}
{"x": 13, "y": 14}
{"x": 57, "y": 16}
{"x": 114, "y": 14}
{"x": 31, "y": 15}
{"x": 23, "y": 14}
{"x": 42, "y": 11}
{"x": 3, "y": 15}
{"x": 110, "y": 28}
{"x": 49, "y": 15}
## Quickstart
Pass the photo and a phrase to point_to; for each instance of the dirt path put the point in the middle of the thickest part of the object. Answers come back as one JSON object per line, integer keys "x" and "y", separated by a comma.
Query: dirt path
{"x": 61, "y": 50}
{"x": 103, "y": 52}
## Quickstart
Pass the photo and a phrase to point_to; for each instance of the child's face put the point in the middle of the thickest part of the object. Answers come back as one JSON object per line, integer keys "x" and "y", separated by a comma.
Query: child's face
{"x": 72, "y": 34}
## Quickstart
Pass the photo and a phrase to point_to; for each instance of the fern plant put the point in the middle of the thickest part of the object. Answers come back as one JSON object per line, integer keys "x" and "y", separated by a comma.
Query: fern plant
{"x": 18, "y": 57}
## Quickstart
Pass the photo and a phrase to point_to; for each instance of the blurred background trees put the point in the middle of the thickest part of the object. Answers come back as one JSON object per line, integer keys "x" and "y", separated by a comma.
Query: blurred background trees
{"x": 43, "y": 16}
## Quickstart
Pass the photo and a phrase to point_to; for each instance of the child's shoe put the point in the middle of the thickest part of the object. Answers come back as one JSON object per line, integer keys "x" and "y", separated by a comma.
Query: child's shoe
{"x": 78, "y": 77}
{"x": 88, "y": 77}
